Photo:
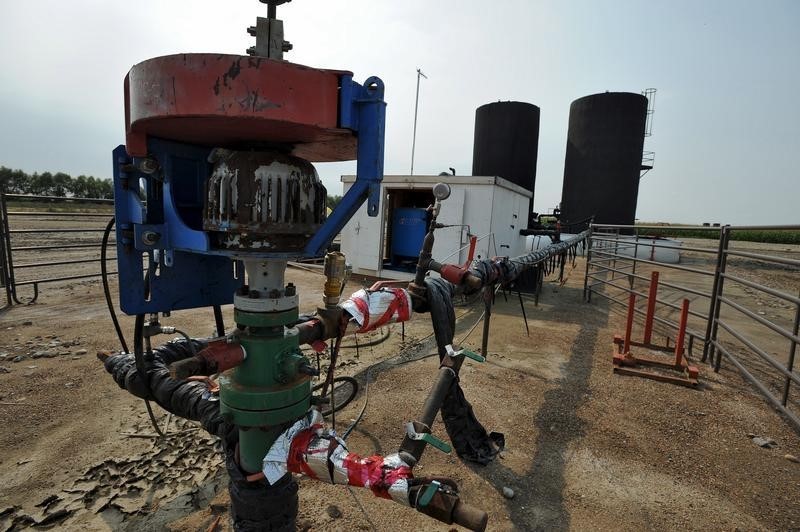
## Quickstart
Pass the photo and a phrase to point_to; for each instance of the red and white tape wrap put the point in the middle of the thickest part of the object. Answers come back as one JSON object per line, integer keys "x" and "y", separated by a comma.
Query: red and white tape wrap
{"x": 310, "y": 449}
{"x": 373, "y": 309}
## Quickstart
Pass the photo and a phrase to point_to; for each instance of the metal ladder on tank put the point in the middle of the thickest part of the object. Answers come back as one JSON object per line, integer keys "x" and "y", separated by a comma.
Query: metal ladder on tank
{"x": 648, "y": 157}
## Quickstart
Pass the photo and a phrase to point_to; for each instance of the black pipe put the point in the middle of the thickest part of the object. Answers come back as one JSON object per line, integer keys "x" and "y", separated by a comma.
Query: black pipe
{"x": 432, "y": 405}
{"x": 220, "y": 323}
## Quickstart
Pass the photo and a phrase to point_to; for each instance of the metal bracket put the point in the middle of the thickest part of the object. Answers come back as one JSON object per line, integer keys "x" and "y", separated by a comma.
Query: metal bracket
{"x": 362, "y": 110}
{"x": 463, "y": 352}
{"x": 420, "y": 432}
{"x": 427, "y": 495}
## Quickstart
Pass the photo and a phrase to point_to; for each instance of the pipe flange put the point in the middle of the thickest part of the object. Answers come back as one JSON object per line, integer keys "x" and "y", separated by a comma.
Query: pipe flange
{"x": 257, "y": 302}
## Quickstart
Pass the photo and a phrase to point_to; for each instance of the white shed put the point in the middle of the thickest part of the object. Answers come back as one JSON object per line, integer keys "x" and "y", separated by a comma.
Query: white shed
{"x": 489, "y": 207}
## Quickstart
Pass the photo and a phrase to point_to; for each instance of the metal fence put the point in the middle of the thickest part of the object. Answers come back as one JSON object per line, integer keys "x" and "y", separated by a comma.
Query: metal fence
{"x": 744, "y": 296}
{"x": 51, "y": 245}
{"x": 5, "y": 265}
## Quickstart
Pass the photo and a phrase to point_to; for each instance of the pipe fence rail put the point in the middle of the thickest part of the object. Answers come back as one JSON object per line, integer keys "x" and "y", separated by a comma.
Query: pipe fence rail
{"x": 744, "y": 296}
{"x": 47, "y": 246}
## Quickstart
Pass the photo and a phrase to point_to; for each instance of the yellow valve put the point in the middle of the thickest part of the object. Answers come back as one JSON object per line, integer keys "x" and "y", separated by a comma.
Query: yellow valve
{"x": 335, "y": 277}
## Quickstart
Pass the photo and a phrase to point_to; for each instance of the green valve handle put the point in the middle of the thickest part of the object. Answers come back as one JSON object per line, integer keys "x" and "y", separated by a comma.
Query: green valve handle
{"x": 430, "y": 439}
{"x": 428, "y": 494}
{"x": 464, "y": 352}
{"x": 427, "y": 437}
{"x": 474, "y": 356}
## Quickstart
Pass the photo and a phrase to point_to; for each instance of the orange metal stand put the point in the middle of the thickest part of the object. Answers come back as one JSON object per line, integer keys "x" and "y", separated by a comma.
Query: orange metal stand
{"x": 627, "y": 363}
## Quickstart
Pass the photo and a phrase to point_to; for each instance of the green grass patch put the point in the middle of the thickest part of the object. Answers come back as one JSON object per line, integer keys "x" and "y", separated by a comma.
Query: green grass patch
{"x": 769, "y": 236}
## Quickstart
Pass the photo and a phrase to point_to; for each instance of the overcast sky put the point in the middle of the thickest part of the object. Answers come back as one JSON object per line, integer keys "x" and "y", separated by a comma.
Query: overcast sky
{"x": 726, "y": 130}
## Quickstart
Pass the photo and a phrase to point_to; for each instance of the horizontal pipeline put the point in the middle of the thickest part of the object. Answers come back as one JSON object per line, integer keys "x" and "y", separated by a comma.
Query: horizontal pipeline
{"x": 645, "y": 296}
{"x": 766, "y": 258}
{"x": 762, "y": 288}
{"x": 661, "y": 282}
{"x": 644, "y": 245}
{"x": 668, "y": 323}
{"x": 58, "y": 199}
{"x": 670, "y": 227}
{"x": 62, "y": 214}
{"x": 56, "y": 279}
{"x": 760, "y": 352}
{"x": 33, "y": 231}
{"x": 57, "y": 263}
{"x": 755, "y": 382}
{"x": 765, "y": 322}
{"x": 660, "y": 264}
{"x": 65, "y": 246}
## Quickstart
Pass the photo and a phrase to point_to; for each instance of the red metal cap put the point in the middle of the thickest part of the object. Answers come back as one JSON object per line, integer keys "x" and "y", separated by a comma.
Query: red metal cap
{"x": 236, "y": 101}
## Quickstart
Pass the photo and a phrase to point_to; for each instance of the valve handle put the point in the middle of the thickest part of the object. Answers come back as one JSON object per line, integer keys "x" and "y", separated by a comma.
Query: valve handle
{"x": 420, "y": 432}
{"x": 464, "y": 352}
{"x": 427, "y": 495}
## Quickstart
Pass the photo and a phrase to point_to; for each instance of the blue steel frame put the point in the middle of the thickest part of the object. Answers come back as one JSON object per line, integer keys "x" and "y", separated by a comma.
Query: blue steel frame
{"x": 184, "y": 271}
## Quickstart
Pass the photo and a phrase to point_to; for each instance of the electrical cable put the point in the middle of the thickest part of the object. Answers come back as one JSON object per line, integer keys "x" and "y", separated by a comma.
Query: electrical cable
{"x": 371, "y": 343}
{"x": 138, "y": 324}
{"x": 106, "y": 289}
{"x": 220, "y": 323}
{"x": 188, "y": 340}
{"x": 357, "y": 420}
{"x": 141, "y": 367}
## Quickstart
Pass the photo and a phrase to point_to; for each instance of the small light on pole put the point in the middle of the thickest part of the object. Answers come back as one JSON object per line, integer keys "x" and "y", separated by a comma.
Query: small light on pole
{"x": 416, "y": 107}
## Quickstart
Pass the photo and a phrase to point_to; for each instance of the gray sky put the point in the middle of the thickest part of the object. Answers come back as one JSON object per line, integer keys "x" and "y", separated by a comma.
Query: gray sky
{"x": 726, "y": 130}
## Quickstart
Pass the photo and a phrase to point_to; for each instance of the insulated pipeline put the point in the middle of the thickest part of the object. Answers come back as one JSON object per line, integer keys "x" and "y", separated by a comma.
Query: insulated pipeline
{"x": 505, "y": 269}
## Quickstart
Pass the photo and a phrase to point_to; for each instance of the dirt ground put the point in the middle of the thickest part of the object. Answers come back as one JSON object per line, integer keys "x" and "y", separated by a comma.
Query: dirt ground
{"x": 586, "y": 449}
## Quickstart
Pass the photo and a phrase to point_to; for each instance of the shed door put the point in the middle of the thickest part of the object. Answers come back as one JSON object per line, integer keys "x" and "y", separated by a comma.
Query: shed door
{"x": 450, "y": 239}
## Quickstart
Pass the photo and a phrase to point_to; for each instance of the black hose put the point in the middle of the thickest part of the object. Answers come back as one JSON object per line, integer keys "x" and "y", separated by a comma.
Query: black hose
{"x": 141, "y": 369}
{"x": 360, "y": 416}
{"x": 470, "y": 439}
{"x": 138, "y": 348}
{"x": 189, "y": 340}
{"x": 220, "y": 323}
{"x": 106, "y": 289}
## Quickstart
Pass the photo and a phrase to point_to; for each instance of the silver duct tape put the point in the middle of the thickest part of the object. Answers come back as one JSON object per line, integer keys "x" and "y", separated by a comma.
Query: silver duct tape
{"x": 393, "y": 461}
{"x": 398, "y": 491}
{"x": 316, "y": 457}
{"x": 340, "y": 473}
{"x": 274, "y": 464}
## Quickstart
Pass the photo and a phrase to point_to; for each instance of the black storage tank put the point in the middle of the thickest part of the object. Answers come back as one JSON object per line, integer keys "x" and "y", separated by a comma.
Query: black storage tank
{"x": 604, "y": 158}
{"x": 507, "y": 142}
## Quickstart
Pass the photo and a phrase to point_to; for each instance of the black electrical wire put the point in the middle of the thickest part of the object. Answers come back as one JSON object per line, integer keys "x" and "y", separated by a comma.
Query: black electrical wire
{"x": 220, "y": 323}
{"x": 106, "y": 289}
{"x": 138, "y": 325}
{"x": 357, "y": 420}
{"x": 141, "y": 367}
{"x": 189, "y": 341}
{"x": 371, "y": 343}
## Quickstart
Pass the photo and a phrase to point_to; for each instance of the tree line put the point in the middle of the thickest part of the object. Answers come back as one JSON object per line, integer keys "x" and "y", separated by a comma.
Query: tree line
{"x": 58, "y": 184}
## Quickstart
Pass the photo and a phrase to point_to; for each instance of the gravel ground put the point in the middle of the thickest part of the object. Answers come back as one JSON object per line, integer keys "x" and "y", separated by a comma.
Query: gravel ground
{"x": 586, "y": 449}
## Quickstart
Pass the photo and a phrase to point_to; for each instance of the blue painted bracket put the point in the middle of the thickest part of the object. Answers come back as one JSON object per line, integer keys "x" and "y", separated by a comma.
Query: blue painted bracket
{"x": 168, "y": 202}
{"x": 363, "y": 110}
{"x": 183, "y": 270}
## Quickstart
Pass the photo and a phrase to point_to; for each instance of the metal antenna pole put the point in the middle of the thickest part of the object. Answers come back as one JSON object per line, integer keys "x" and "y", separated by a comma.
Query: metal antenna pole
{"x": 416, "y": 107}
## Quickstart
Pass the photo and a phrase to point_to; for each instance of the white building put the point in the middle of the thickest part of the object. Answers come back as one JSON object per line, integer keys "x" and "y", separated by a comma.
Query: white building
{"x": 489, "y": 207}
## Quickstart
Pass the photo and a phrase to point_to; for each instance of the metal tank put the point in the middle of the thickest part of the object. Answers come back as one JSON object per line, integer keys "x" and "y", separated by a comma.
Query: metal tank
{"x": 507, "y": 142}
{"x": 409, "y": 227}
{"x": 604, "y": 158}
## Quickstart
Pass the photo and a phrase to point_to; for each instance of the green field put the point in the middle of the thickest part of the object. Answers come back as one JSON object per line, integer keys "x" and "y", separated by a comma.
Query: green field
{"x": 770, "y": 236}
